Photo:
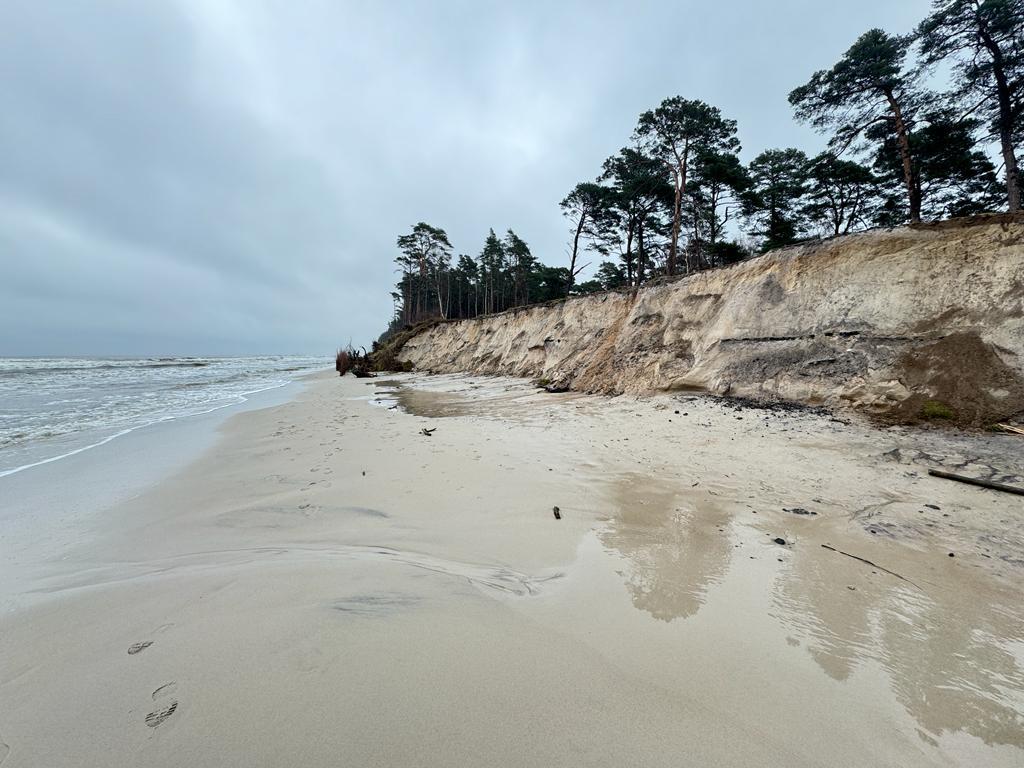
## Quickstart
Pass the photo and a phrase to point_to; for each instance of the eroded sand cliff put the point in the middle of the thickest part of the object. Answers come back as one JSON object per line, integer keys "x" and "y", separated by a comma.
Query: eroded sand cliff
{"x": 885, "y": 321}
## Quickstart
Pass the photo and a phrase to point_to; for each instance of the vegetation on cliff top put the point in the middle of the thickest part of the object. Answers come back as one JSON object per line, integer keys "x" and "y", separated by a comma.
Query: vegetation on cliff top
{"x": 678, "y": 199}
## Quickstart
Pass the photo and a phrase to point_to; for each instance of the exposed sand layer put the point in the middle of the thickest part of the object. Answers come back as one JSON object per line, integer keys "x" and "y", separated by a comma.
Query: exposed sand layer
{"x": 884, "y": 321}
{"x": 329, "y": 586}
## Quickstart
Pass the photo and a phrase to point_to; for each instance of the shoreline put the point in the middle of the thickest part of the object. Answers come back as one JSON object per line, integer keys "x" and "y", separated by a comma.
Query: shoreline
{"x": 244, "y": 398}
{"x": 238, "y": 400}
{"x": 54, "y": 502}
{"x": 325, "y": 582}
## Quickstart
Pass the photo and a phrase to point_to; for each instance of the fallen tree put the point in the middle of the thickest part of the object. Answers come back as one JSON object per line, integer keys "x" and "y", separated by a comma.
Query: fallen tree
{"x": 349, "y": 359}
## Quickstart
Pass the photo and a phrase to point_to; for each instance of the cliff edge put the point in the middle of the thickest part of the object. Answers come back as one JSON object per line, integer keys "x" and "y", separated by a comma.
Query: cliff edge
{"x": 904, "y": 323}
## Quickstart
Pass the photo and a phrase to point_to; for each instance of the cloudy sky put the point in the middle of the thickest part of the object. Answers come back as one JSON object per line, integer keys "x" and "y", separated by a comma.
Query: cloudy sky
{"x": 229, "y": 176}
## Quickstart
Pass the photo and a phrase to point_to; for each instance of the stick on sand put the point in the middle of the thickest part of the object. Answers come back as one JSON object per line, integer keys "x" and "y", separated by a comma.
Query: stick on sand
{"x": 975, "y": 481}
{"x": 873, "y": 565}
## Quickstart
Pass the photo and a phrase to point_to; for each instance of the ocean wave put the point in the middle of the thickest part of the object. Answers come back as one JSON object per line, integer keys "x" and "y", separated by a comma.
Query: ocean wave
{"x": 51, "y": 369}
{"x": 64, "y": 414}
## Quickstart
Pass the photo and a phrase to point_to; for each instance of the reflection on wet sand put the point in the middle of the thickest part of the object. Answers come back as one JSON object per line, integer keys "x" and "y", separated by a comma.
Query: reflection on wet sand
{"x": 675, "y": 550}
{"x": 953, "y": 652}
{"x": 491, "y": 399}
{"x": 939, "y": 646}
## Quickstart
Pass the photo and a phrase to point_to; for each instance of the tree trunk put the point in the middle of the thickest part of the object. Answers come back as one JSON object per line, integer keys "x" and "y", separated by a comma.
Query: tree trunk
{"x": 641, "y": 251}
{"x": 575, "y": 251}
{"x": 913, "y": 192}
{"x": 1005, "y": 121}
{"x": 679, "y": 201}
{"x": 714, "y": 225}
{"x": 676, "y": 216}
{"x": 407, "y": 297}
{"x": 629, "y": 252}
{"x": 440, "y": 301}
{"x": 696, "y": 243}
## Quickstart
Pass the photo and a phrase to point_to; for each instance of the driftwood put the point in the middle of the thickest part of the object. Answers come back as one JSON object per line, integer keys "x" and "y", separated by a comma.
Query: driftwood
{"x": 868, "y": 562}
{"x": 428, "y": 432}
{"x": 1013, "y": 430}
{"x": 975, "y": 481}
{"x": 558, "y": 513}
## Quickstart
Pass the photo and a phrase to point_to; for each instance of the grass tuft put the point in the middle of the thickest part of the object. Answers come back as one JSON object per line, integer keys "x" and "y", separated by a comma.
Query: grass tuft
{"x": 936, "y": 409}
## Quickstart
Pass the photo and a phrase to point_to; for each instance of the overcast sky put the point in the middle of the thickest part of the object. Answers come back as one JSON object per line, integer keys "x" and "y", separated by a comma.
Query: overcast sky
{"x": 229, "y": 177}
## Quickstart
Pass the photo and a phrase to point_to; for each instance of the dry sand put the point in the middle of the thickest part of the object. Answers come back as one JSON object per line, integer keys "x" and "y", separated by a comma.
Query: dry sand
{"x": 329, "y": 586}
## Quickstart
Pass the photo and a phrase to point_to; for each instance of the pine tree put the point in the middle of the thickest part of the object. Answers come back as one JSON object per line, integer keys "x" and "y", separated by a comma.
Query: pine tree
{"x": 774, "y": 200}
{"x": 868, "y": 86}
{"x": 986, "y": 42}
{"x": 675, "y": 132}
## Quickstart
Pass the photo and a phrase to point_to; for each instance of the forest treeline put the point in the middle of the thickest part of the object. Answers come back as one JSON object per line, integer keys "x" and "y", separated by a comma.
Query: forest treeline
{"x": 678, "y": 199}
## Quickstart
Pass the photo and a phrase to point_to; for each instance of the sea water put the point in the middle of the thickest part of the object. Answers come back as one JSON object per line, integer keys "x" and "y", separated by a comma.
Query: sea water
{"x": 51, "y": 408}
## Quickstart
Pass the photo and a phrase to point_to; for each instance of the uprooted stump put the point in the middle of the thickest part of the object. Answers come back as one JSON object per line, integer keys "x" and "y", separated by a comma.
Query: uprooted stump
{"x": 351, "y": 359}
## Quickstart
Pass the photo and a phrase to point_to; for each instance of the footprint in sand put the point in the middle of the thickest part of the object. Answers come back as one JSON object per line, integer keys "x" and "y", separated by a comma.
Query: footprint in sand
{"x": 140, "y": 647}
{"x": 164, "y": 690}
{"x": 157, "y": 717}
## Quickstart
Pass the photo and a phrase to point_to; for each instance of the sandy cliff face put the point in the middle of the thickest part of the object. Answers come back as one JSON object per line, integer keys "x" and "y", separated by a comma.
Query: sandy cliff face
{"x": 883, "y": 321}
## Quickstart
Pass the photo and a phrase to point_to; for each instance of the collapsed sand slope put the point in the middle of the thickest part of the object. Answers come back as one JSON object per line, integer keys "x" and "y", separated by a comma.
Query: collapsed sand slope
{"x": 882, "y": 320}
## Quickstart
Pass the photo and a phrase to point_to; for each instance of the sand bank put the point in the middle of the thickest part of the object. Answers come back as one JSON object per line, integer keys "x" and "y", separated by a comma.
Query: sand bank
{"x": 330, "y": 586}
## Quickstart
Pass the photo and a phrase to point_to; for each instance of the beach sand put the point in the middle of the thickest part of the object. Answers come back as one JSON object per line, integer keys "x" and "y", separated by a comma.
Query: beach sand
{"x": 330, "y": 586}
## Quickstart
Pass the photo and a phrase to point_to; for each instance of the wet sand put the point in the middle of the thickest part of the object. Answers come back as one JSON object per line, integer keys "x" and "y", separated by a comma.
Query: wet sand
{"x": 329, "y": 586}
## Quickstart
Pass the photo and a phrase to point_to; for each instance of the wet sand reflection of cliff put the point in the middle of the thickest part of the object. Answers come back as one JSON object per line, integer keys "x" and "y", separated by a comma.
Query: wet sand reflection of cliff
{"x": 675, "y": 543}
{"x": 520, "y": 402}
{"x": 954, "y": 652}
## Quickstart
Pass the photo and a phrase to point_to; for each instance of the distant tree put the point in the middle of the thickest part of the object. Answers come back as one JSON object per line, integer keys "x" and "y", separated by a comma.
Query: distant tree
{"x": 549, "y": 283}
{"x": 869, "y": 85}
{"x": 521, "y": 262}
{"x": 725, "y": 252}
{"x": 676, "y": 131}
{"x": 396, "y": 305}
{"x": 466, "y": 286}
{"x": 715, "y": 194}
{"x": 583, "y": 206}
{"x": 986, "y": 41}
{"x": 505, "y": 274}
{"x": 427, "y": 249}
{"x": 492, "y": 272}
{"x": 587, "y": 286}
{"x": 610, "y": 276}
{"x": 840, "y": 194}
{"x": 721, "y": 179}
{"x": 774, "y": 200}
{"x": 639, "y": 196}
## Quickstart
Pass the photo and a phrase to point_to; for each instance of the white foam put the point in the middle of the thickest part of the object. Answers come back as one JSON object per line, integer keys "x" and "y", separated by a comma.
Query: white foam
{"x": 242, "y": 398}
